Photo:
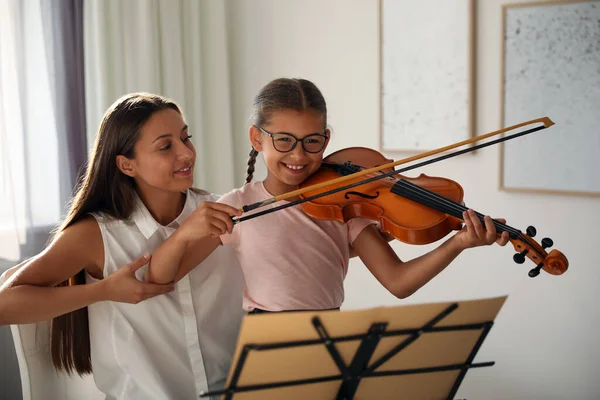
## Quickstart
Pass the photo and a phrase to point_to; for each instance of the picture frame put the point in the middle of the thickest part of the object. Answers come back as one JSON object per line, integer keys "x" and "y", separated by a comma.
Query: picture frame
{"x": 427, "y": 95}
{"x": 550, "y": 58}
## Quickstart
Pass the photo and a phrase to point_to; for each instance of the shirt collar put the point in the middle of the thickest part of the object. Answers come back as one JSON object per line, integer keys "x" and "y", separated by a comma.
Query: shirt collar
{"x": 146, "y": 223}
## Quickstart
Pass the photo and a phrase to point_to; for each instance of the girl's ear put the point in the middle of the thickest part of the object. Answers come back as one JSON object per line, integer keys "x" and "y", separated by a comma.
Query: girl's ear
{"x": 255, "y": 138}
{"x": 328, "y": 133}
{"x": 126, "y": 166}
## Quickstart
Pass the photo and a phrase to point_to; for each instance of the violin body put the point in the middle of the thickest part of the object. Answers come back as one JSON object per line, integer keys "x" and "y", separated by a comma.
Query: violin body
{"x": 406, "y": 220}
{"x": 417, "y": 210}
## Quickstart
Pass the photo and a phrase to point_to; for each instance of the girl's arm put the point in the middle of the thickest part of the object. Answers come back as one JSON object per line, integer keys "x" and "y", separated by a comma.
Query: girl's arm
{"x": 404, "y": 278}
{"x": 29, "y": 293}
{"x": 192, "y": 242}
{"x": 386, "y": 236}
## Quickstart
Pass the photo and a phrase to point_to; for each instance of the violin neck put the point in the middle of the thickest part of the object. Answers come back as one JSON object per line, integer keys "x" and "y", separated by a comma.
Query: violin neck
{"x": 433, "y": 200}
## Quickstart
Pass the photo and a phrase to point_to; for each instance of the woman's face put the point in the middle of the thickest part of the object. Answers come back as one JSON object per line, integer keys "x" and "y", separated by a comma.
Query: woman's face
{"x": 164, "y": 155}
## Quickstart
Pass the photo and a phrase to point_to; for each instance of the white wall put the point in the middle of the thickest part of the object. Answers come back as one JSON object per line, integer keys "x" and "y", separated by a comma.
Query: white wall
{"x": 543, "y": 341}
{"x": 329, "y": 42}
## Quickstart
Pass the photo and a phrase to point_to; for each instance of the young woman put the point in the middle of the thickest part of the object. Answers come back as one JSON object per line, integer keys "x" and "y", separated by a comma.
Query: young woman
{"x": 136, "y": 192}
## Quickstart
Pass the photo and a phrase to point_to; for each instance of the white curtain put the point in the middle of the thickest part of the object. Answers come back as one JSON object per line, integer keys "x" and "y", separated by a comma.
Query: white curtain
{"x": 30, "y": 199}
{"x": 175, "y": 48}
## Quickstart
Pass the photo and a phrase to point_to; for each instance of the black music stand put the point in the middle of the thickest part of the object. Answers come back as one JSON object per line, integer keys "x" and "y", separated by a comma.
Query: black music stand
{"x": 406, "y": 352}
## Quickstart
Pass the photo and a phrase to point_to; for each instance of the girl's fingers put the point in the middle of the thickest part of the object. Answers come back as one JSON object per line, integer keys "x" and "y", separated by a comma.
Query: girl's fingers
{"x": 490, "y": 230}
{"x": 503, "y": 239}
{"x": 468, "y": 222}
{"x": 477, "y": 226}
{"x": 479, "y": 229}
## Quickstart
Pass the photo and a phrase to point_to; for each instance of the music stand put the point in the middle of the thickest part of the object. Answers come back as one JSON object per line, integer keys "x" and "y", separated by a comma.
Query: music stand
{"x": 404, "y": 352}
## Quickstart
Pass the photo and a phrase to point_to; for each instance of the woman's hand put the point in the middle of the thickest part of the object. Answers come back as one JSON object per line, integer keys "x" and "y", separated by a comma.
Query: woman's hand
{"x": 196, "y": 238}
{"x": 209, "y": 219}
{"x": 474, "y": 234}
{"x": 123, "y": 286}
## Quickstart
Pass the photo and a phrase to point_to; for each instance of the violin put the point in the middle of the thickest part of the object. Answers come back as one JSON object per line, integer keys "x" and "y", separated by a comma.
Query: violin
{"x": 417, "y": 210}
{"x": 362, "y": 183}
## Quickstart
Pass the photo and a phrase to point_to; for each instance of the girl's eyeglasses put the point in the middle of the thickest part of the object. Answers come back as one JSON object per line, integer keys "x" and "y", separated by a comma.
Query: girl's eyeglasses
{"x": 285, "y": 142}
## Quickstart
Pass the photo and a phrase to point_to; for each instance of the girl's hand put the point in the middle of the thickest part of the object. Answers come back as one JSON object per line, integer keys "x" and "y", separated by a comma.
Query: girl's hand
{"x": 124, "y": 287}
{"x": 209, "y": 219}
{"x": 474, "y": 234}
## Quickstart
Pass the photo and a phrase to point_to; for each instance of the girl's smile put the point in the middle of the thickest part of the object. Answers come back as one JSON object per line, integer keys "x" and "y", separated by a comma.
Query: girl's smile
{"x": 295, "y": 168}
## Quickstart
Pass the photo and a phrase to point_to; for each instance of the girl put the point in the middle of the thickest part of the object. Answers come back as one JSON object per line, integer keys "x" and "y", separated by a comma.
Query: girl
{"x": 290, "y": 260}
{"x": 136, "y": 192}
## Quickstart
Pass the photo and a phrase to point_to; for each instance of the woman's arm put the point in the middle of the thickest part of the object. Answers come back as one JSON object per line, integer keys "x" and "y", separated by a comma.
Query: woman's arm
{"x": 177, "y": 256}
{"x": 404, "y": 278}
{"x": 29, "y": 293}
{"x": 192, "y": 242}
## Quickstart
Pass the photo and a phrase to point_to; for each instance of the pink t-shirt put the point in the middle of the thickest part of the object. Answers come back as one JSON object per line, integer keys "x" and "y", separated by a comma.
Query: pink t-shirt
{"x": 290, "y": 261}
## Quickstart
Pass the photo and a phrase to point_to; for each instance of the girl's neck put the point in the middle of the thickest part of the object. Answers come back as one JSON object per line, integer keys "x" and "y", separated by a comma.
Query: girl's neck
{"x": 164, "y": 206}
{"x": 276, "y": 187}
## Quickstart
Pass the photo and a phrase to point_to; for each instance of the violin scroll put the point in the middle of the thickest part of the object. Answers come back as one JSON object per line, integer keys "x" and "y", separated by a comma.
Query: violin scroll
{"x": 554, "y": 263}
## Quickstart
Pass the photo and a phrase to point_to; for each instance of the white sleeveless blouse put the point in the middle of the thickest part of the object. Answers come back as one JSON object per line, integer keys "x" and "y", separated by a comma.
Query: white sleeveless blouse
{"x": 172, "y": 346}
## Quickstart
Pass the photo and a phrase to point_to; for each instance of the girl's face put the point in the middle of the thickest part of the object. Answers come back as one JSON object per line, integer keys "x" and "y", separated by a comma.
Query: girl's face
{"x": 164, "y": 155}
{"x": 287, "y": 170}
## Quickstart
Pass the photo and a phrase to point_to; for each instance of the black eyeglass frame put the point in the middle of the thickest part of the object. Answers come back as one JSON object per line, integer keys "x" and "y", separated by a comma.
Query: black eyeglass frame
{"x": 272, "y": 136}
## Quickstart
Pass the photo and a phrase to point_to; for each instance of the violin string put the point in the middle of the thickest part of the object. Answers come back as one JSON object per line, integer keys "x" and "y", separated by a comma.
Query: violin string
{"x": 451, "y": 207}
{"x": 458, "y": 208}
{"x": 447, "y": 205}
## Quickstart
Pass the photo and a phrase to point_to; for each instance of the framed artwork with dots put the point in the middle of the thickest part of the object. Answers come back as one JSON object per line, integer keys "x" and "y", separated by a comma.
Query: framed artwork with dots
{"x": 551, "y": 67}
{"x": 427, "y": 73}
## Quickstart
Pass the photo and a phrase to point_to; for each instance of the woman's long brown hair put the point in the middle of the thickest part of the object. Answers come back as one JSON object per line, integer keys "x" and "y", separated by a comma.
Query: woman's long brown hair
{"x": 103, "y": 188}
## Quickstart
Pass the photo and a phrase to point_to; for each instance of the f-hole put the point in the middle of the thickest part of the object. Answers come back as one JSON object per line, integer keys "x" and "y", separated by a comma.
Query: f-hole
{"x": 359, "y": 194}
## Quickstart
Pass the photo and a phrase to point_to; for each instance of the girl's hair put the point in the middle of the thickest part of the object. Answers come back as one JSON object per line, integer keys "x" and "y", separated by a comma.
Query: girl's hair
{"x": 284, "y": 94}
{"x": 103, "y": 188}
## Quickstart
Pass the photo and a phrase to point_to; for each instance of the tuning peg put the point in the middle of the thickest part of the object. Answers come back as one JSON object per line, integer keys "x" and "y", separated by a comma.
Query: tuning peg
{"x": 531, "y": 231}
{"x": 536, "y": 271}
{"x": 519, "y": 258}
{"x": 547, "y": 242}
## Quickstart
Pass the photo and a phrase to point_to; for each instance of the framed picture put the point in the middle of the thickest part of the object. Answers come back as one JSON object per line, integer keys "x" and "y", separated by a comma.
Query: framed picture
{"x": 427, "y": 72}
{"x": 551, "y": 67}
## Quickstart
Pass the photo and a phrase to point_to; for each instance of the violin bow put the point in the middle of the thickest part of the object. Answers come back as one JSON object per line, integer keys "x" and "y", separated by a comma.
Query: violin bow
{"x": 545, "y": 121}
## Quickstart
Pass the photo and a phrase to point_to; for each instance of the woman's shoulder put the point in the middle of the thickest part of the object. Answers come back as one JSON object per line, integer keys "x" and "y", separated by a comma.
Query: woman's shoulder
{"x": 83, "y": 241}
{"x": 88, "y": 227}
